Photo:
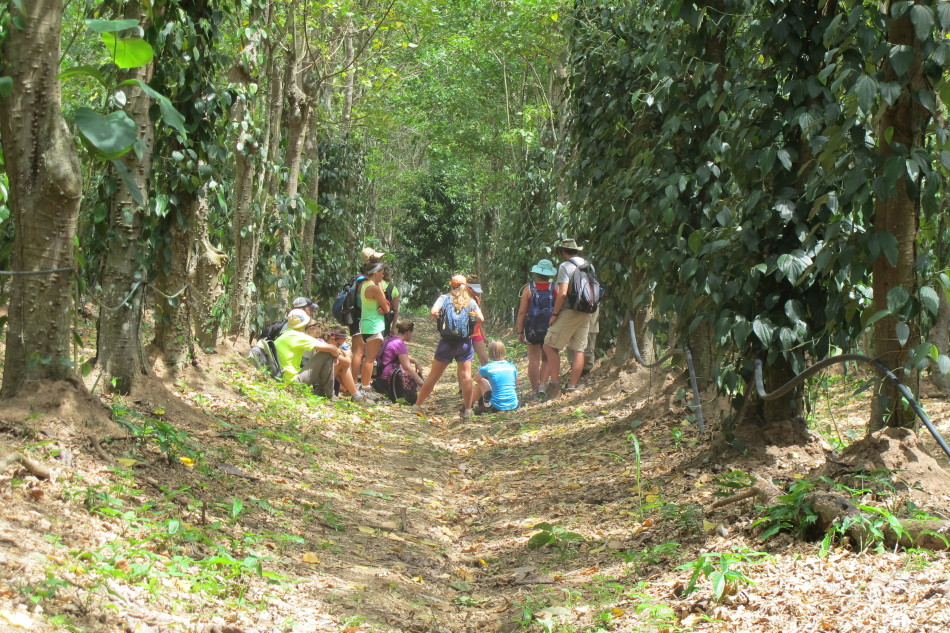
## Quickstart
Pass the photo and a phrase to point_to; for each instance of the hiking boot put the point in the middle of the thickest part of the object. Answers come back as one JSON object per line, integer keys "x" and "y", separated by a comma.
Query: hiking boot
{"x": 370, "y": 394}
{"x": 569, "y": 389}
{"x": 467, "y": 414}
{"x": 361, "y": 399}
{"x": 542, "y": 393}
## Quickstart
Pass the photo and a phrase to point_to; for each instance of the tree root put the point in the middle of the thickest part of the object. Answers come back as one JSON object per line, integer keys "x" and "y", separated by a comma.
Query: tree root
{"x": 764, "y": 491}
{"x": 36, "y": 469}
{"x": 931, "y": 534}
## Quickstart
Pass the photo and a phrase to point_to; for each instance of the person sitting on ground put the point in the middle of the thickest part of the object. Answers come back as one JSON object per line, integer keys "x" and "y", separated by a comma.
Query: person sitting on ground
{"x": 478, "y": 337}
{"x": 372, "y": 321}
{"x": 400, "y": 375}
{"x": 318, "y": 371}
{"x": 456, "y": 312}
{"x": 497, "y": 382}
{"x": 534, "y": 315}
{"x": 271, "y": 331}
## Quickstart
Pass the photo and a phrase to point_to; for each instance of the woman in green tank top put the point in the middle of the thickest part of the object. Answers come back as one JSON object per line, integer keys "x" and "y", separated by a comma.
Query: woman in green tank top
{"x": 372, "y": 320}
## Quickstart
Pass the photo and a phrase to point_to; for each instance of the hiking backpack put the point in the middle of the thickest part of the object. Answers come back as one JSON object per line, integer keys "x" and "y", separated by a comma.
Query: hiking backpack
{"x": 273, "y": 330}
{"x": 454, "y": 325}
{"x": 264, "y": 355}
{"x": 348, "y": 305}
{"x": 583, "y": 289}
{"x": 540, "y": 308}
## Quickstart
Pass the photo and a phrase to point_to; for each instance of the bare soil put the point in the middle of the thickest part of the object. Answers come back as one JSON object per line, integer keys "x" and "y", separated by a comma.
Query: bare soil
{"x": 378, "y": 520}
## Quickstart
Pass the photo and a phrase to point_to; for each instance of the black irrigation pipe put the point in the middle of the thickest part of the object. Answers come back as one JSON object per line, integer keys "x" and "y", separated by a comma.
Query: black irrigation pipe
{"x": 697, "y": 406}
{"x": 814, "y": 369}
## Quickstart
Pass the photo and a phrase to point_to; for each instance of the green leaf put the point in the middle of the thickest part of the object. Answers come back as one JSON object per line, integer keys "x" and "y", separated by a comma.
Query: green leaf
{"x": 111, "y": 26}
{"x": 865, "y": 89}
{"x": 540, "y": 540}
{"x": 930, "y": 299}
{"x": 793, "y": 265}
{"x": 903, "y": 333}
{"x": 695, "y": 241}
{"x": 89, "y": 71}
{"x": 943, "y": 364}
{"x": 943, "y": 13}
{"x": 763, "y": 329}
{"x": 901, "y": 56}
{"x": 880, "y": 314}
{"x": 130, "y": 52}
{"x": 718, "y": 584}
{"x": 172, "y": 117}
{"x": 897, "y": 298}
{"x": 6, "y": 86}
{"x": 126, "y": 174}
{"x": 112, "y": 135}
{"x": 785, "y": 158}
{"x": 923, "y": 20}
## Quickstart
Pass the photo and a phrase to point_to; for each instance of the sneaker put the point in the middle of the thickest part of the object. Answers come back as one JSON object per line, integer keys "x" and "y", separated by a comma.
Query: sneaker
{"x": 467, "y": 414}
{"x": 417, "y": 410}
{"x": 369, "y": 394}
{"x": 569, "y": 389}
{"x": 361, "y": 399}
{"x": 542, "y": 393}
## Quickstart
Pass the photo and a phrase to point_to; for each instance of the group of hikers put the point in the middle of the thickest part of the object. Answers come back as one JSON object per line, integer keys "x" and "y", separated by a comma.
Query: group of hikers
{"x": 553, "y": 317}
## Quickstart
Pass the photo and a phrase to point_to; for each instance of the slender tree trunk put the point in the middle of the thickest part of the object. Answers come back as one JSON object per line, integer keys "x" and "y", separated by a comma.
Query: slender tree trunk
{"x": 207, "y": 286}
{"x": 940, "y": 337}
{"x": 900, "y": 130}
{"x": 308, "y": 233}
{"x": 45, "y": 192}
{"x": 245, "y": 235}
{"x": 176, "y": 265}
{"x": 123, "y": 274}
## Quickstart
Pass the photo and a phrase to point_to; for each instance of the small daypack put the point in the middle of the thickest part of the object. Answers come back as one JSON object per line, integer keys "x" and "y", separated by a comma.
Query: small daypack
{"x": 389, "y": 316}
{"x": 264, "y": 356}
{"x": 453, "y": 325}
{"x": 348, "y": 305}
{"x": 273, "y": 330}
{"x": 540, "y": 308}
{"x": 583, "y": 289}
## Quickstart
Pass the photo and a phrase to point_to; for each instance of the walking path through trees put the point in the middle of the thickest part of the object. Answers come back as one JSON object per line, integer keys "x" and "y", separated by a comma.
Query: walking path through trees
{"x": 227, "y": 503}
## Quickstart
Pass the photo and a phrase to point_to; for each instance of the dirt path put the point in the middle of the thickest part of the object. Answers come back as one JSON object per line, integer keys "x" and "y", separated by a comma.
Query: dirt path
{"x": 298, "y": 515}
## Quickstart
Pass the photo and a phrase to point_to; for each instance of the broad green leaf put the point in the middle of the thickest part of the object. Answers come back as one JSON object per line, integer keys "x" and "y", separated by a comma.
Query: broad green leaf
{"x": 901, "y": 56}
{"x": 89, "y": 71}
{"x": 172, "y": 117}
{"x": 923, "y": 20}
{"x": 943, "y": 13}
{"x": 763, "y": 329}
{"x": 785, "y": 158}
{"x": 695, "y": 241}
{"x": 130, "y": 52}
{"x": 111, "y": 26}
{"x": 112, "y": 135}
{"x": 897, "y": 298}
{"x": 880, "y": 314}
{"x": 540, "y": 540}
{"x": 930, "y": 299}
{"x": 903, "y": 333}
{"x": 943, "y": 364}
{"x": 793, "y": 265}
{"x": 865, "y": 89}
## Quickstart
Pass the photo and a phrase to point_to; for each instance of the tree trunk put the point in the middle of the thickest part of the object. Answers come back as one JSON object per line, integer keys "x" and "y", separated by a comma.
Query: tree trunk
{"x": 207, "y": 287}
{"x": 308, "y": 233}
{"x": 298, "y": 119}
{"x": 45, "y": 193}
{"x": 940, "y": 337}
{"x": 900, "y": 130}
{"x": 246, "y": 233}
{"x": 176, "y": 266}
{"x": 119, "y": 347}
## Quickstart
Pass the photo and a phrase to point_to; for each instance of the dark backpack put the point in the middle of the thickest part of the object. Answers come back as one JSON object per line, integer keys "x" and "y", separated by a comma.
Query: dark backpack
{"x": 540, "y": 309}
{"x": 272, "y": 331}
{"x": 454, "y": 326}
{"x": 348, "y": 305}
{"x": 389, "y": 316}
{"x": 583, "y": 289}
{"x": 264, "y": 356}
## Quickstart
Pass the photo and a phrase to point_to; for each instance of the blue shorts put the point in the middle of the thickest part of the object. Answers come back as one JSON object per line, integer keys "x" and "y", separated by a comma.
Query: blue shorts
{"x": 459, "y": 351}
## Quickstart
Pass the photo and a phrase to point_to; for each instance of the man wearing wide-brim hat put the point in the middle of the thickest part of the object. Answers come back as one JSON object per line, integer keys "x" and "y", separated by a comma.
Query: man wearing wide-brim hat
{"x": 569, "y": 328}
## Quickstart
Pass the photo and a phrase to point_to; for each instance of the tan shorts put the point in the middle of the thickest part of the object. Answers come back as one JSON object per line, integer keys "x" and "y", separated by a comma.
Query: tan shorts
{"x": 569, "y": 330}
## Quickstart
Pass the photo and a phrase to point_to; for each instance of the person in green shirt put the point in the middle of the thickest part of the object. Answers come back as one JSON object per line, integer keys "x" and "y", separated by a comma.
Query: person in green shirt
{"x": 324, "y": 364}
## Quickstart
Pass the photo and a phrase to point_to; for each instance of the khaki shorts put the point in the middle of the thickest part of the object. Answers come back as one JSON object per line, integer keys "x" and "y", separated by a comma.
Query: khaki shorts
{"x": 569, "y": 330}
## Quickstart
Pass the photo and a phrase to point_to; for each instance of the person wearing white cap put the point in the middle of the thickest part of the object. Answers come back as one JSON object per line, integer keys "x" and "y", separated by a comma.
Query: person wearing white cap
{"x": 319, "y": 372}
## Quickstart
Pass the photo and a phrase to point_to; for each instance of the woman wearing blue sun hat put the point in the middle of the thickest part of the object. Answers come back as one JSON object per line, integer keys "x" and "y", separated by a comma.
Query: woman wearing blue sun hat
{"x": 534, "y": 315}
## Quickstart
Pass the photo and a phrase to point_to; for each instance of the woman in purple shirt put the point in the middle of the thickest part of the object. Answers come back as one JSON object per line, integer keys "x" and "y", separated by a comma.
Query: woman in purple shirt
{"x": 399, "y": 373}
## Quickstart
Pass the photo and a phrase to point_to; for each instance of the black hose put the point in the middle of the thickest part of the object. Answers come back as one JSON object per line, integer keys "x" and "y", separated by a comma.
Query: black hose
{"x": 697, "y": 404}
{"x": 876, "y": 364}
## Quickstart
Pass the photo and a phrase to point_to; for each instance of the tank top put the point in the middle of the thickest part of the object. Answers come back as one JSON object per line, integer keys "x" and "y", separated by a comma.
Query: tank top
{"x": 371, "y": 321}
